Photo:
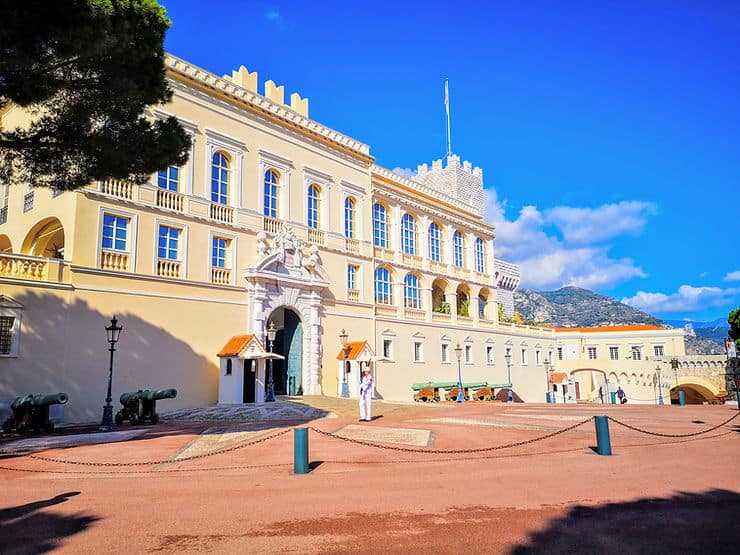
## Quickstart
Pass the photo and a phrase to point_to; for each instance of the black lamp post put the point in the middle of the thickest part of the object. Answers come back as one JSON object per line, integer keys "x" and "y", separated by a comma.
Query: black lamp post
{"x": 507, "y": 356}
{"x": 458, "y": 354}
{"x": 547, "y": 381}
{"x": 674, "y": 365}
{"x": 113, "y": 332}
{"x": 660, "y": 386}
{"x": 345, "y": 388}
{"x": 271, "y": 332}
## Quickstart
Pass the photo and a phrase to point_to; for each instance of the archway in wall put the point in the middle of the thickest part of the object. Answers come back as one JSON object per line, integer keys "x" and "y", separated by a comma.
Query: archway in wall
{"x": 45, "y": 239}
{"x": 695, "y": 392}
{"x": 588, "y": 381}
{"x": 288, "y": 373}
{"x": 5, "y": 244}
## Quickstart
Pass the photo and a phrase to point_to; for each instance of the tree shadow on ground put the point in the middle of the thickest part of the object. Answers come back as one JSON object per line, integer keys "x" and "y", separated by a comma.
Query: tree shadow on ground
{"x": 684, "y": 523}
{"x": 28, "y": 529}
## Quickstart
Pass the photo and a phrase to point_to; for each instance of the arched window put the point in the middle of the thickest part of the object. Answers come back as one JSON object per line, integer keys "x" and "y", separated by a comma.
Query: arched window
{"x": 383, "y": 286}
{"x": 380, "y": 226}
{"x": 482, "y": 307}
{"x": 169, "y": 179}
{"x": 271, "y": 194}
{"x": 480, "y": 256}
{"x": 408, "y": 234}
{"x": 435, "y": 250}
{"x": 457, "y": 252}
{"x": 349, "y": 217}
{"x": 220, "y": 177}
{"x": 314, "y": 206}
{"x": 411, "y": 293}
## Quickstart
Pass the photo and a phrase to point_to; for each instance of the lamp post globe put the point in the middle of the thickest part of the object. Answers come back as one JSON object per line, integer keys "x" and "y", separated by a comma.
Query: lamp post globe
{"x": 507, "y": 356}
{"x": 460, "y": 394}
{"x": 113, "y": 332}
{"x": 343, "y": 337}
{"x": 271, "y": 334}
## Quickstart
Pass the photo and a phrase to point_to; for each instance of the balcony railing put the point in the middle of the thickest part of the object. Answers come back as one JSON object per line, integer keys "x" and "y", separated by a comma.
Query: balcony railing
{"x": 222, "y": 213}
{"x": 3, "y": 215}
{"x": 384, "y": 254}
{"x": 23, "y": 267}
{"x": 117, "y": 188}
{"x": 221, "y": 276}
{"x": 441, "y": 317}
{"x": 438, "y": 267}
{"x": 112, "y": 260}
{"x": 169, "y": 268}
{"x": 315, "y": 236}
{"x": 388, "y": 311}
{"x": 352, "y": 245}
{"x": 171, "y": 200}
{"x": 353, "y": 295}
{"x": 483, "y": 323}
{"x": 414, "y": 314}
{"x": 412, "y": 260}
{"x": 271, "y": 225}
{"x": 28, "y": 201}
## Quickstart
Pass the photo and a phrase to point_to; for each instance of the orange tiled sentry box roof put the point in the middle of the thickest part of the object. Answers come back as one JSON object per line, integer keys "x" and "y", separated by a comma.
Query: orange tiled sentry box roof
{"x": 559, "y": 377}
{"x": 353, "y": 348}
{"x": 236, "y": 345}
{"x": 633, "y": 327}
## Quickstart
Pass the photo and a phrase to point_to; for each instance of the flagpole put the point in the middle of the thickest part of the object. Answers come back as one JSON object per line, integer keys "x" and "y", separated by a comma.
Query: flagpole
{"x": 447, "y": 109}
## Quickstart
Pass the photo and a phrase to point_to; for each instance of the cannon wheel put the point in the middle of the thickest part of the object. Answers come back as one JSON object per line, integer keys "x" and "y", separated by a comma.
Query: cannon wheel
{"x": 119, "y": 418}
{"x": 134, "y": 420}
{"x": 155, "y": 418}
{"x": 49, "y": 426}
{"x": 8, "y": 425}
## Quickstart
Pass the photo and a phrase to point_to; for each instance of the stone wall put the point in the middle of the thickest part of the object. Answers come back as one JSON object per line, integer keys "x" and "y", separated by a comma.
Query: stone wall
{"x": 462, "y": 182}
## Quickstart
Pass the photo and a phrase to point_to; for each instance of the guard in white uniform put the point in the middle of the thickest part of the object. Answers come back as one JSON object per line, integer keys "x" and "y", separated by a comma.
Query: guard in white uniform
{"x": 366, "y": 396}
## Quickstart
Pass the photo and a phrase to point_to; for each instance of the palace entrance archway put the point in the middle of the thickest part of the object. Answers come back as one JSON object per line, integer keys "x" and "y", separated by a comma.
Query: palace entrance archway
{"x": 287, "y": 374}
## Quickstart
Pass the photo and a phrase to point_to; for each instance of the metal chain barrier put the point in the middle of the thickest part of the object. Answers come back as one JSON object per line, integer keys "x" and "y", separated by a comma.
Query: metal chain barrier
{"x": 165, "y": 461}
{"x": 636, "y": 429}
{"x": 450, "y": 451}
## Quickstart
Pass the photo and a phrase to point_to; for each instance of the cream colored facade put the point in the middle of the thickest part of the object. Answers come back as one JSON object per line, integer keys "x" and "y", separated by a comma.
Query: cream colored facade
{"x": 275, "y": 218}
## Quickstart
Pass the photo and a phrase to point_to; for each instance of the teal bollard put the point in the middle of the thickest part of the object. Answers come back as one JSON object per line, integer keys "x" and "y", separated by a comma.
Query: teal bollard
{"x": 681, "y": 398}
{"x": 300, "y": 451}
{"x": 603, "y": 443}
{"x": 613, "y": 397}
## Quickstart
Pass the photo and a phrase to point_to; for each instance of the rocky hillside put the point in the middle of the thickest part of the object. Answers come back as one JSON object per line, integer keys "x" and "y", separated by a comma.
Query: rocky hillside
{"x": 574, "y": 307}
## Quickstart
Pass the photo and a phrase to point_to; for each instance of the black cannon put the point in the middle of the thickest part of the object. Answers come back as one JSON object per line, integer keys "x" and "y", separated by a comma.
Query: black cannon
{"x": 140, "y": 406}
{"x": 31, "y": 412}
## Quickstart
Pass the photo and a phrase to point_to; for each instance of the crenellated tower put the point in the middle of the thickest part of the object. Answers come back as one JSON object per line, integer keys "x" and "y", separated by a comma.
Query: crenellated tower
{"x": 459, "y": 181}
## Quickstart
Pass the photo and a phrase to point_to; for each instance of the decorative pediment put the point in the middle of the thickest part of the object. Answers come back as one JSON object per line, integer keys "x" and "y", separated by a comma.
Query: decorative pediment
{"x": 288, "y": 255}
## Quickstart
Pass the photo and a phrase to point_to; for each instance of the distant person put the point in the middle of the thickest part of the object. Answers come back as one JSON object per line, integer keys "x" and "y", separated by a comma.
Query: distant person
{"x": 601, "y": 395}
{"x": 621, "y": 395}
{"x": 366, "y": 396}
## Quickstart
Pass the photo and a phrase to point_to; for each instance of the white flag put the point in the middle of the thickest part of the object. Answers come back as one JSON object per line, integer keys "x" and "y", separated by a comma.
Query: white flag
{"x": 447, "y": 99}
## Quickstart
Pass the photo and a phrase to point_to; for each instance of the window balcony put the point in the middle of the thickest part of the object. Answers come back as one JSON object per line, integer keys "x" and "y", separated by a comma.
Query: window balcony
{"x": 415, "y": 314}
{"x": 117, "y": 188}
{"x": 353, "y": 295}
{"x": 438, "y": 267}
{"x": 384, "y": 254}
{"x": 28, "y": 201}
{"x": 114, "y": 260}
{"x": 315, "y": 236}
{"x": 388, "y": 311}
{"x": 169, "y": 268}
{"x": 222, "y": 213}
{"x": 483, "y": 323}
{"x": 351, "y": 245}
{"x": 465, "y": 320}
{"x": 221, "y": 276}
{"x": 271, "y": 225}
{"x": 412, "y": 260}
{"x": 171, "y": 200}
{"x": 441, "y": 317}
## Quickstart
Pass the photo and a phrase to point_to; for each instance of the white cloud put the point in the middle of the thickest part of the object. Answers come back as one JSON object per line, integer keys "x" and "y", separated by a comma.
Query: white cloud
{"x": 733, "y": 276}
{"x": 686, "y": 299}
{"x": 592, "y": 225}
{"x": 274, "y": 16}
{"x": 548, "y": 262}
{"x": 405, "y": 172}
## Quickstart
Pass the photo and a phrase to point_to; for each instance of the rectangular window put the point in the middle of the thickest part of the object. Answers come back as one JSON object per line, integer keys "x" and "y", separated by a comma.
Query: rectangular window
{"x": 169, "y": 179}
{"x": 636, "y": 353}
{"x": 538, "y": 357}
{"x": 489, "y": 354}
{"x": 658, "y": 350}
{"x": 591, "y": 352}
{"x": 352, "y": 276}
{"x": 445, "y": 353}
{"x": 168, "y": 243}
{"x": 388, "y": 348}
{"x": 613, "y": 353}
{"x": 560, "y": 353}
{"x": 468, "y": 354}
{"x": 115, "y": 232}
{"x": 6, "y": 334}
{"x": 524, "y": 356}
{"x": 219, "y": 252}
{"x": 418, "y": 352}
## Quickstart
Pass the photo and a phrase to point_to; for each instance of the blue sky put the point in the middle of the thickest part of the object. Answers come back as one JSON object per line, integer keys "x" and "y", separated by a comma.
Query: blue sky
{"x": 608, "y": 131}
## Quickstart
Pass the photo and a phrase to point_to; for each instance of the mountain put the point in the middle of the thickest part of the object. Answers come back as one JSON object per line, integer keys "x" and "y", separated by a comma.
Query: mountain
{"x": 716, "y": 330}
{"x": 576, "y": 307}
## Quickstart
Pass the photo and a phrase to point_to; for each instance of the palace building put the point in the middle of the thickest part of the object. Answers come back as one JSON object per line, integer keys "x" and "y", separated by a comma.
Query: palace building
{"x": 275, "y": 220}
